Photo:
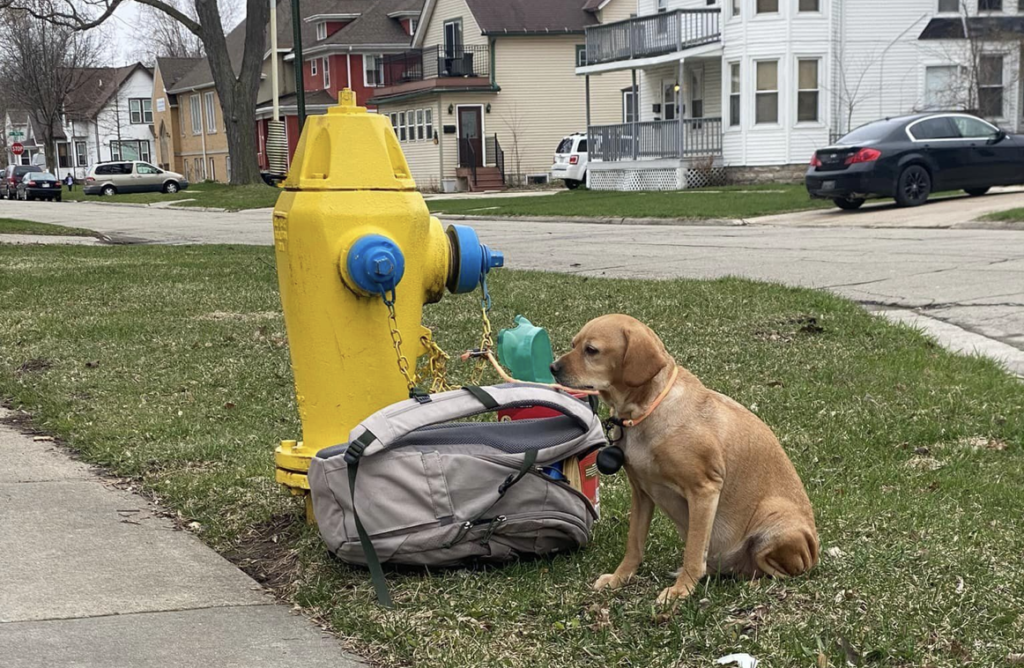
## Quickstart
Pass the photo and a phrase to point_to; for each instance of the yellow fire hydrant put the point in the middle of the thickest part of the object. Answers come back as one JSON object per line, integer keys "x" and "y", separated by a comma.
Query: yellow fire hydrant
{"x": 352, "y": 236}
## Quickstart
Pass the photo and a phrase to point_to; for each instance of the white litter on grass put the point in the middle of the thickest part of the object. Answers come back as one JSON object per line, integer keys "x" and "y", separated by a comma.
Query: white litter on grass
{"x": 741, "y": 660}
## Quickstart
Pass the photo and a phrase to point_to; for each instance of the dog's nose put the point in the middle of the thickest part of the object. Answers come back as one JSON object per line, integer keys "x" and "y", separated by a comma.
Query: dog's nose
{"x": 555, "y": 368}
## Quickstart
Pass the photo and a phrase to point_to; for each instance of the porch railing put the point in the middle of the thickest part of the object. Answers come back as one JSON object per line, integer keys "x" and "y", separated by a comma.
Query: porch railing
{"x": 437, "y": 62}
{"x": 496, "y": 154}
{"x": 653, "y": 35}
{"x": 653, "y": 140}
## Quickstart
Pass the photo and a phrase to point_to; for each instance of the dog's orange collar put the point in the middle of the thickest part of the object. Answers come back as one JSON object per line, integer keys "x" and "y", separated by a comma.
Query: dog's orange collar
{"x": 657, "y": 402}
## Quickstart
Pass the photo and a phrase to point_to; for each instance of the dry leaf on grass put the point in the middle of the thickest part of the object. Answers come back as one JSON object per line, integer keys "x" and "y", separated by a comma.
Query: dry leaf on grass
{"x": 924, "y": 463}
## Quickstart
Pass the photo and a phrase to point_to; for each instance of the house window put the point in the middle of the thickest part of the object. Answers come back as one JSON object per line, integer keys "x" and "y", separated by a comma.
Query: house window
{"x": 697, "y": 93}
{"x": 140, "y": 110}
{"x": 410, "y": 118}
{"x": 312, "y": 68}
{"x": 807, "y": 91}
{"x": 990, "y": 5}
{"x": 627, "y": 106}
{"x": 941, "y": 86}
{"x": 413, "y": 24}
{"x": 197, "y": 169}
{"x": 581, "y": 55}
{"x": 211, "y": 113}
{"x": 64, "y": 155}
{"x": 662, "y": 6}
{"x": 321, "y": 30}
{"x": 197, "y": 114}
{"x": 213, "y": 171}
{"x": 419, "y": 124}
{"x": 767, "y": 6}
{"x": 734, "y": 94}
{"x": 81, "y": 154}
{"x": 453, "y": 38}
{"x": 394, "y": 122}
{"x": 401, "y": 126}
{"x": 736, "y": 4}
{"x": 948, "y": 6}
{"x": 181, "y": 117}
{"x": 144, "y": 150}
{"x": 668, "y": 99}
{"x": 327, "y": 73}
{"x": 990, "y": 86}
{"x": 809, "y": 6}
{"x": 429, "y": 115}
{"x": 767, "y": 98}
{"x": 373, "y": 70}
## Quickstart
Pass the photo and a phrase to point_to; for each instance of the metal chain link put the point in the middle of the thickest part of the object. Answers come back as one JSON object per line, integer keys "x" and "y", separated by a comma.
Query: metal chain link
{"x": 396, "y": 340}
{"x": 437, "y": 364}
{"x": 486, "y": 338}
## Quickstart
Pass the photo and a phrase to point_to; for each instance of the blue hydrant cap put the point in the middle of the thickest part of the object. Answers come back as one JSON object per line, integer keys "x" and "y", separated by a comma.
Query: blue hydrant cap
{"x": 470, "y": 259}
{"x": 375, "y": 262}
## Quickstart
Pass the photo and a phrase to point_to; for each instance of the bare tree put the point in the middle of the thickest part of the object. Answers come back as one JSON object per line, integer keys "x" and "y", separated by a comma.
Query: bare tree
{"x": 166, "y": 37}
{"x": 851, "y": 90}
{"x": 515, "y": 126}
{"x": 237, "y": 83}
{"x": 42, "y": 67}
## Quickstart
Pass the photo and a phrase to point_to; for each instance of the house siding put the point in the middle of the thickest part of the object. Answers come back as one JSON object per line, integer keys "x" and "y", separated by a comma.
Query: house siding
{"x": 166, "y": 128}
{"x": 446, "y": 10}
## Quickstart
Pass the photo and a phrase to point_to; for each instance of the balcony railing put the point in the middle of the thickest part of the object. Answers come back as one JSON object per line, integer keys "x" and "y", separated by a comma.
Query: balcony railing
{"x": 437, "y": 62}
{"x": 652, "y": 35}
{"x": 653, "y": 140}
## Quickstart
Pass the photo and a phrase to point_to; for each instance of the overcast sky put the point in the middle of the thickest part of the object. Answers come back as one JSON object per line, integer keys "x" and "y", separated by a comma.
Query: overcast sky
{"x": 126, "y": 42}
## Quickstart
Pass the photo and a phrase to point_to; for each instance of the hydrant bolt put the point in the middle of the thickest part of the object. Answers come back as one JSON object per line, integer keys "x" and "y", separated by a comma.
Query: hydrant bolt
{"x": 383, "y": 266}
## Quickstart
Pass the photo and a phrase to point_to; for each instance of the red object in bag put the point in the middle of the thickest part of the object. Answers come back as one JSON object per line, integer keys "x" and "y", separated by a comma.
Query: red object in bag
{"x": 588, "y": 465}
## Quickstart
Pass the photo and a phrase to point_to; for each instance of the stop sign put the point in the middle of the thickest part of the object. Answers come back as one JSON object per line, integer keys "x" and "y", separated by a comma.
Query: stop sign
{"x": 17, "y": 148}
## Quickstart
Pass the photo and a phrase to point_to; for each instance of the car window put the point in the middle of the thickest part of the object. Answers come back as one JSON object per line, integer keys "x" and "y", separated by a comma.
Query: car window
{"x": 144, "y": 168}
{"x": 44, "y": 175}
{"x": 582, "y": 146}
{"x": 104, "y": 169}
{"x": 126, "y": 167}
{"x": 868, "y": 134}
{"x": 973, "y": 128}
{"x": 565, "y": 146}
{"x": 22, "y": 170}
{"x": 934, "y": 128}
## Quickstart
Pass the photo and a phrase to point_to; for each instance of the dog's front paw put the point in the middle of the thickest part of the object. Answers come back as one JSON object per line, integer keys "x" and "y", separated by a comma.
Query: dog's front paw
{"x": 674, "y": 593}
{"x": 609, "y": 581}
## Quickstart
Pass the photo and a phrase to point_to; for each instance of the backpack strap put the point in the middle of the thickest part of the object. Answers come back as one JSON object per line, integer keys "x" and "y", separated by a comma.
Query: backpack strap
{"x": 529, "y": 459}
{"x": 352, "y": 456}
{"x": 481, "y": 395}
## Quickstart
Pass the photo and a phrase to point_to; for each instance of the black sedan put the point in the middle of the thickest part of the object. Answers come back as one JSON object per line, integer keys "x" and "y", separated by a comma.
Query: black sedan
{"x": 910, "y": 157}
{"x": 38, "y": 185}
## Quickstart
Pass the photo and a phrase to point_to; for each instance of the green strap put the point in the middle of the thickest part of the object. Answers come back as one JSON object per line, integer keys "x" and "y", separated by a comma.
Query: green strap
{"x": 487, "y": 400}
{"x": 380, "y": 585}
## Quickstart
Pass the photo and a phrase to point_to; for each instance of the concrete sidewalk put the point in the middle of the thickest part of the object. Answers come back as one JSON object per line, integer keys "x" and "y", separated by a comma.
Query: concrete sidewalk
{"x": 95, "y": 576}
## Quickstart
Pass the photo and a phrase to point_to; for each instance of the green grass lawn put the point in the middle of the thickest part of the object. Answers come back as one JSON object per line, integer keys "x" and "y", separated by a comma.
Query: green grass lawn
{"x": 16, "y": 226}
{"x": 1008, "y": 216}
{"x": 169, "y": 365}
{"x": 697, "y": 204}
{"x": 214, "y": 195}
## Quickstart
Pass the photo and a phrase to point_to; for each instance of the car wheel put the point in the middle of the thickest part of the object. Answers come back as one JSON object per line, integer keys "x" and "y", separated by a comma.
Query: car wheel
{"x": 170, "y": 187}
{"x": 848, "y": 204}
{"x": 109, "y": 191}
{"x": 572, "y": 184}
{"x": 913, "y": 186}
{"x": 976, "y": 192}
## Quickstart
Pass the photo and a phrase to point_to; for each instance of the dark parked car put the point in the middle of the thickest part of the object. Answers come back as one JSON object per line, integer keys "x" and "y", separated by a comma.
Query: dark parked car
{"x": 910, "y": 157}
{"x": 38, "y": 185}
{"x": 12, "y": 177}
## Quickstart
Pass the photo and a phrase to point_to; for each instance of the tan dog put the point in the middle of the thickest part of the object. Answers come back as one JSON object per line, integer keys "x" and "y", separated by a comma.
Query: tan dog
{"x": 710, "y": 464}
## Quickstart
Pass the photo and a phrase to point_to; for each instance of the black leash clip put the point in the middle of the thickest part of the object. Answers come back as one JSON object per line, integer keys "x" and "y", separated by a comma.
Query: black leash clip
{"x": 612, "y": 458}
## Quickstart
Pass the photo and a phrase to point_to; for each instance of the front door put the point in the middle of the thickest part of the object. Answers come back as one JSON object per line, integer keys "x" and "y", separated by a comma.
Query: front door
{"x": 471, "y": 137}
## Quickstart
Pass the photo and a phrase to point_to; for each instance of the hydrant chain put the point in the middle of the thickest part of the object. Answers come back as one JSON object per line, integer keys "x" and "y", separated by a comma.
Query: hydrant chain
{"x": 396, "y": 340}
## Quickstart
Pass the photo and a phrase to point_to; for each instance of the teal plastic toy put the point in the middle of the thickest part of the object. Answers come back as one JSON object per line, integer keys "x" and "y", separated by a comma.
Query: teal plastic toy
{"x": 526, "y": 351}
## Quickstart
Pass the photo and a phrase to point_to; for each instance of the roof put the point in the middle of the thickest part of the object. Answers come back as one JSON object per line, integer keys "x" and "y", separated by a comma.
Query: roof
{"x": 314, "y": 98}
{"x": 502, "y": 17}
{"x": 37, "y": 129}
{"x": 174, "y": 70}
{"x": 373, "y": 26}
{"x": 97, "y": 86}
{"x": 985, "y": 27}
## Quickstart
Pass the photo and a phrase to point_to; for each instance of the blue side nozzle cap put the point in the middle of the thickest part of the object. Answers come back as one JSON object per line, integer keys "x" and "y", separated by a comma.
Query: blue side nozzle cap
{"x": 470, "y": 259}
{"x": 374, "y": 263}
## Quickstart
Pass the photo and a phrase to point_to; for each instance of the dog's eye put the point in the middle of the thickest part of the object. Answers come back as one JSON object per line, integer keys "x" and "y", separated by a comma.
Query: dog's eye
{"x": 591, "y": 350}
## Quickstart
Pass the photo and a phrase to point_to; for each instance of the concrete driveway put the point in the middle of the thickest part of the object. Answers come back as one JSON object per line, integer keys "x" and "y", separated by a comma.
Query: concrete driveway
{"x": 957, "y": 210}
{"x": 972, "y": 278}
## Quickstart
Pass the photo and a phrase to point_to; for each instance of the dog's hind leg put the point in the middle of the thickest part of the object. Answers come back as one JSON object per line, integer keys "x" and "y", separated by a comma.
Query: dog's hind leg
{"x": 788, "y": 552}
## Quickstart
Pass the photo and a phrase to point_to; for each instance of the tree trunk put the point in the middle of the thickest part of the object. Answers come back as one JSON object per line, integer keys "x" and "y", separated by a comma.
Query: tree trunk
{"x": 241, "y": 133}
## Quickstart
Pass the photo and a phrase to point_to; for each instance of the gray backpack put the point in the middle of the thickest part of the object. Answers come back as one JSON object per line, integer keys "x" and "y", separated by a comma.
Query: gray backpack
{"x": 434, "y": 492}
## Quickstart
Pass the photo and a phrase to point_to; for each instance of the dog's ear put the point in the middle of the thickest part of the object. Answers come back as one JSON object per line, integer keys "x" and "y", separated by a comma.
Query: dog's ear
{"x": 643, "y": 357}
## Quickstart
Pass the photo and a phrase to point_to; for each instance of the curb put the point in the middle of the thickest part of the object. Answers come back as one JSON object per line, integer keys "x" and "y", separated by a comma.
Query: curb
{"x": 688, "y": 222}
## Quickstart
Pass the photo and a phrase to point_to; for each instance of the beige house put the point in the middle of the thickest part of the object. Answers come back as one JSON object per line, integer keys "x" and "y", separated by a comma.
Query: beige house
{"x": 489, "y": 88}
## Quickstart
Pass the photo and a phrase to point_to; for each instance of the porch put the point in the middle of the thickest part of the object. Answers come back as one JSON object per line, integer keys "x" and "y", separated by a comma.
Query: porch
{"x": 436, "y": 67}
{"x": 481, "y": 164}
{"x": 650, "y": 40}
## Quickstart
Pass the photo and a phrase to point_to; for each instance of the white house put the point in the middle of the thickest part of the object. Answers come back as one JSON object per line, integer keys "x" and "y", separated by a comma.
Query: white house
{"x": 107, "y": 117}
{"x": 752, "y": 88}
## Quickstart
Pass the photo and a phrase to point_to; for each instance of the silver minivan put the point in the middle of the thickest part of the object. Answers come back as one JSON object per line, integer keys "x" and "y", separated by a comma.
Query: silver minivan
{"x": 131, "y": 176}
